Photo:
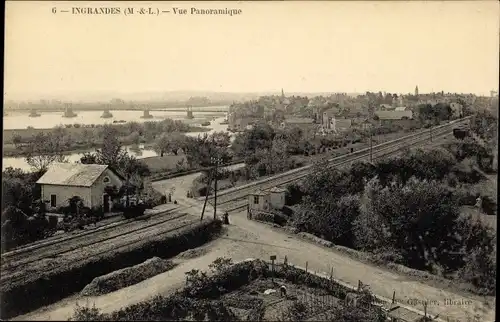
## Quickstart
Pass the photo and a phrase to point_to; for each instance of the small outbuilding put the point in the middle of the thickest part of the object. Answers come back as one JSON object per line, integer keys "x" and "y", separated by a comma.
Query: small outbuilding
{"x": 259, "y": 201}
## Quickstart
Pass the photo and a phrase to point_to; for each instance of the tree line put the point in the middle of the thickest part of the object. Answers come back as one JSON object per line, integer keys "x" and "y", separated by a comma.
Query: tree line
{"x": 60, "y": 139}
{"x": 404, "y": 210}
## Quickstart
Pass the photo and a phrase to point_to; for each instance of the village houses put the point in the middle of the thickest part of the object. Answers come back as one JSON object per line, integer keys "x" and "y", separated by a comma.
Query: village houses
{"x": 63, "y": 181}
{"x": 402, "y": 117}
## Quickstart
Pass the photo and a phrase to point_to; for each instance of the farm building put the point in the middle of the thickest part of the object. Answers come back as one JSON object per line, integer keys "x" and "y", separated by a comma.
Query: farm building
{"x": 87, "y": 181}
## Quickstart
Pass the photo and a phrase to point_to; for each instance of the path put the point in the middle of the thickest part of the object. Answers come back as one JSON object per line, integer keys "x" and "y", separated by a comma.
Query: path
{"x": 248, "y": 239}
{"x": 180, "y": 186}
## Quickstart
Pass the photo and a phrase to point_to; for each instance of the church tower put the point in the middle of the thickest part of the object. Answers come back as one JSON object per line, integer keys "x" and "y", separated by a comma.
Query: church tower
{"x": 416, "y": 90}
{"x": 282, "y": 93}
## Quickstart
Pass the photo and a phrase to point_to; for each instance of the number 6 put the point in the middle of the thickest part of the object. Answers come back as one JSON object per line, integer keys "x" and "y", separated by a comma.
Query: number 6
{"x": 54, "y": 10}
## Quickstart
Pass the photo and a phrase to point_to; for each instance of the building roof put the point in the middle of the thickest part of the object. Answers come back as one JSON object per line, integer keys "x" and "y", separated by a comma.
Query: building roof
{"x": 277, "y": 190}
{"x": 259, "y": 193}
{"x": 299, "y": 120}
{"x": 394, "y": 115}
{"x": 339, "y": 120}
{"x": 72, "y": 174}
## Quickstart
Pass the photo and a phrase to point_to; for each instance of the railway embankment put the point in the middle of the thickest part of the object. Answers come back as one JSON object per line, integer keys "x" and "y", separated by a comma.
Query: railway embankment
{"x": 45, "y": 283}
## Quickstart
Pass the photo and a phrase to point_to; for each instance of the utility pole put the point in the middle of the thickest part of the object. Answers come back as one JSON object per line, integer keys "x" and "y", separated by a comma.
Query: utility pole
{"x": 371, "y": 145}
{"x": 127, "y": 198}
{"x": 216, "y": 160}
{"x": 210, "y": 177}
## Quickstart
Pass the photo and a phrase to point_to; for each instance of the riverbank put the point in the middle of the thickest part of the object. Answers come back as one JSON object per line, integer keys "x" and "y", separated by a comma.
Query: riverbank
{"x": 77, "y": 145}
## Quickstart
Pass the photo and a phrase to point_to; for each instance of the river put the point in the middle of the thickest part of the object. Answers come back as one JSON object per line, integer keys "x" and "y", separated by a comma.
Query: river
{"x": 138, "y": 152}
{"x": 21, "y": 120}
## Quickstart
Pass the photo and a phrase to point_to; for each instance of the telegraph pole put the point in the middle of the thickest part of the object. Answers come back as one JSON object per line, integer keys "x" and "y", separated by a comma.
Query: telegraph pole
{"x": 216, "y": 160}
{"x": 210, "y": 177}
{"x": 371, "y": 145}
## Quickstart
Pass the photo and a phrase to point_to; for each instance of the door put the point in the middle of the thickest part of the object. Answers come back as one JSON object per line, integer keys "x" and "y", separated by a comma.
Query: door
{"x": 105, "y": 203}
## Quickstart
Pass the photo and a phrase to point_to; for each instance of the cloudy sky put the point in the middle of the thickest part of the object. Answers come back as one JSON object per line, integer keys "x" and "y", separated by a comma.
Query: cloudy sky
{"x": 298, "y": 46}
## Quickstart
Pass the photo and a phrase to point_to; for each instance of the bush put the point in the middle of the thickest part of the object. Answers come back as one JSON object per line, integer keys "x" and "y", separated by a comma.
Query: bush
{"x": 263, "y": 216}
{"x": 127, "y": 276}
{"x": 83, "y": 313}
{"x": 489, "y": 207}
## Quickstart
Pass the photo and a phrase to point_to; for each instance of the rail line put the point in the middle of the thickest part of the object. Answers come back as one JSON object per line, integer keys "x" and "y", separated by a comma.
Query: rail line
{"x": 244, "y": 189}
{"x": 52, "y": 253}
{"x": 242, "y": 202}
{"x": 240, "y": 194}
{"x": 234, "y": 195}
{"x": 47, "y": 243}
{"x": 109, "y": 245}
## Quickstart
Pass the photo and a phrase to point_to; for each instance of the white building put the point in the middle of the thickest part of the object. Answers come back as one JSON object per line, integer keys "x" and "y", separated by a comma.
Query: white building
{"x": 63, "y": 181}
{"x": 267, "y": 200}
{"x": 259, "y": 201}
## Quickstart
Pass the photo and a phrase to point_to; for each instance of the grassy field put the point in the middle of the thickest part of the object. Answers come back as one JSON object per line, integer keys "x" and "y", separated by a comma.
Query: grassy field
{"x": 167, "y": 163}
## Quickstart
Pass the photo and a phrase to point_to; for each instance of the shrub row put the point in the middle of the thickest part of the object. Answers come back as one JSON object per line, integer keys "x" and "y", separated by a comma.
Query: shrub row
{"x": 204, "y": 295}
{"x": 127, "y": 276}
{"x": 48, "y": 287}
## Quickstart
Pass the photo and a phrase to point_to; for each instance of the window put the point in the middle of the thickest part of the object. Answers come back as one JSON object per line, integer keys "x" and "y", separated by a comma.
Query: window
{"x": 256, "y": 199}
{"x": 52, "y": 200}
{"x": 106, "y": 179}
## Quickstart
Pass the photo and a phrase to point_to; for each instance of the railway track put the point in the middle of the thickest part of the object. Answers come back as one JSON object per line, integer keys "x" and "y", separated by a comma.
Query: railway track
{"x": 30, "y": 248}
{"x": 105, "y": 246}
{"x": 80, "y": 242}
{"x": 233, "y": 199}
{"x": 242, "y": 202}
{"x": 237, "y": 199}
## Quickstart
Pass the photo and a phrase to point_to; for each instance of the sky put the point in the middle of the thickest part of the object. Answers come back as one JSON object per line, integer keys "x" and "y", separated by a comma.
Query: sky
{"x": 298, "y": 46}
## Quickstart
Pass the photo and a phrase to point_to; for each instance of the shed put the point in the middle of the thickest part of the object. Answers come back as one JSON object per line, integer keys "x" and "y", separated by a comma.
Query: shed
{"x": 259, "y": 201}
{"x": 277, "y": 197}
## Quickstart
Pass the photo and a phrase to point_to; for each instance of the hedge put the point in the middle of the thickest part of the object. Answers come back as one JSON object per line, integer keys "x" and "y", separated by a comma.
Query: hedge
{"x": 52, "y": 286}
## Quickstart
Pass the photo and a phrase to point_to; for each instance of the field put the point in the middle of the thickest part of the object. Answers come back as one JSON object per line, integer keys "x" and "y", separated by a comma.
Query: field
{"x": 164, "y": 164}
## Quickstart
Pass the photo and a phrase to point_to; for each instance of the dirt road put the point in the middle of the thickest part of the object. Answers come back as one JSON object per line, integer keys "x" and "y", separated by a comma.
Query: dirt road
{"x": 248, "y": 239}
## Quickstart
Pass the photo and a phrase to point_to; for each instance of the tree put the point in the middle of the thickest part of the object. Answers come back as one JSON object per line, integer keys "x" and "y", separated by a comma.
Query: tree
{"x": 42, "y": 150}
{"x": 201, "y": 149}
{"x": 170, "y": 143}
{"x": 259, "y": 137}
{"x": 418, "y": 219}
{"x": 111, "y": 152}
{"x": 19, "y": 188}
{"x": 88, "y": 158}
